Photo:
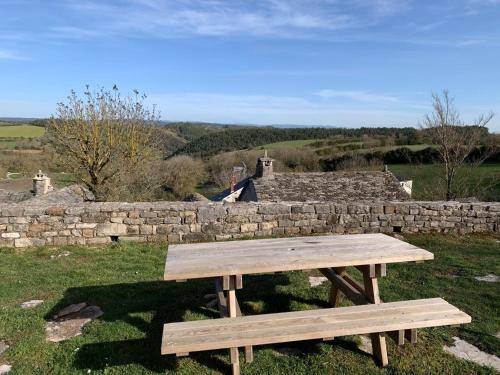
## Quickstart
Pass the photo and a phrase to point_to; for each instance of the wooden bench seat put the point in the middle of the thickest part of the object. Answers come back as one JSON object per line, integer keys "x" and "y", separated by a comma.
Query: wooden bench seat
{"x": 223, "y": 333}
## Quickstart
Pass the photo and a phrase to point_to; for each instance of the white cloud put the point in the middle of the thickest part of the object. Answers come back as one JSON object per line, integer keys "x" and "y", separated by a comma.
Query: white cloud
{"x": 264, "y": 110}
{"x": 276, "y": 18}
{"x": 361, "y": 96}
{"x": 10, "y": 55}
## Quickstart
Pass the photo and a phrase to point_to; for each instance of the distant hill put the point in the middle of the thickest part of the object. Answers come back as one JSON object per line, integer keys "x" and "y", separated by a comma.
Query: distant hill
{"x": 23, "y": 120}
{"x": 249, "y": 137}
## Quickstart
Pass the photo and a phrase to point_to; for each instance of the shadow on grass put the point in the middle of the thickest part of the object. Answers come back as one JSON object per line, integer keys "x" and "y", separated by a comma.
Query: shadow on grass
{"x": 167, "y": 302}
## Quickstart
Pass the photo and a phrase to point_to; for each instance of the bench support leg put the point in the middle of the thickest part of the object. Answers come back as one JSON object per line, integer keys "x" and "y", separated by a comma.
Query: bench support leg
{"x": 378, "y": 339}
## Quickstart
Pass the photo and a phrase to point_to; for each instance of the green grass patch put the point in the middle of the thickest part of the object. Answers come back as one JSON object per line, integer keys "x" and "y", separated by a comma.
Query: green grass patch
{"x": 482, "y": 182}
{"x": 125, "y": 280}
{"x": 21, "y": 131}
{"x": 7, "y": 144}
{"x": 287, "y": 144}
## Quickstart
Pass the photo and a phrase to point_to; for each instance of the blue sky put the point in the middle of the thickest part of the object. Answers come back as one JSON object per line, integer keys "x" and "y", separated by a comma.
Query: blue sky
{"x": 317, "y": 62}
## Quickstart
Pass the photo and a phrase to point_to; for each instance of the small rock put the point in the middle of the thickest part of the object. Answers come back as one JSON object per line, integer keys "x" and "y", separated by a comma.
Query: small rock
{"x": 366, "y": 344}
{"x": 316, "y": 281}
{"x": 5, "y": 369}
{"x": 31, "y": 304}
{"x": 70, "y": 325}
{"x": 70, "y": 309}
{"x": 462, "y": 349}
{"x": 498, "y": 335}
{"x": 3, "y": 346}
{"x": 63, "y": 254}
{"x": 488, "y": 278}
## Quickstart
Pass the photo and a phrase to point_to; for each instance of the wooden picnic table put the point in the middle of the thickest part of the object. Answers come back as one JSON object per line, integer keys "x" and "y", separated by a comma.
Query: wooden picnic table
{"x": 331, "y": 255}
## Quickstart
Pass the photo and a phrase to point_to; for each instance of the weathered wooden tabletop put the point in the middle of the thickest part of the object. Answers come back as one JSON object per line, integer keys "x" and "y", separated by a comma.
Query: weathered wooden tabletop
{"x": 214, "y": 259}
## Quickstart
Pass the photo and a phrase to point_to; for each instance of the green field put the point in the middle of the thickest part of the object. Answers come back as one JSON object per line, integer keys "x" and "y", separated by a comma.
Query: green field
{"x": 21, "y": 131}
{"x": 125, "y": 280}
{"x": 286, "y": 144}
{"x": 310, "y": 143}
{"x": 482, "y": 182}
{"x": 7, "y": 144}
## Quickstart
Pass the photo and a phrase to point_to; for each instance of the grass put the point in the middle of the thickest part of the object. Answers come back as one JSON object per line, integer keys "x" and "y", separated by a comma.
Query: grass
{"x": 125, "y": 280}
{"x": 287, "y": 144}
{"x": 21, "y": 131}
{"x": 7, "y": 144}
{"x": 482, "y": 182}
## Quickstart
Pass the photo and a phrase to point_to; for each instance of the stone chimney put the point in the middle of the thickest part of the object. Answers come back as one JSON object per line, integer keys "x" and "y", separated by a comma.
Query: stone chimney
{"x": 264, "y": 167}
{"x": 41, "y": 184}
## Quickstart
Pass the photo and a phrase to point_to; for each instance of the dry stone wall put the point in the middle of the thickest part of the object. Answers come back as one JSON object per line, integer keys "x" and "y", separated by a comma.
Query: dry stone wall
{"x": 100, "y": 223}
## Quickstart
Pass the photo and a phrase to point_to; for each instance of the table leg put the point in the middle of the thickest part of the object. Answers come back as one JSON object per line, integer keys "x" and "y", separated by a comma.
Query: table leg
{"x": 231, "y": 311}
{"x": 336, "y": 295}
{"x": 225, "y": 288}
{"x": 378, "y": 339}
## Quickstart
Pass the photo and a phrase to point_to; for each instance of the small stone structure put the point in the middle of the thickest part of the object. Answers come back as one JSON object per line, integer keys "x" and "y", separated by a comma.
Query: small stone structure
{"x": 99, "y": 223}
{"x": 41, "y": 184}
{"x": 43, "y": 192}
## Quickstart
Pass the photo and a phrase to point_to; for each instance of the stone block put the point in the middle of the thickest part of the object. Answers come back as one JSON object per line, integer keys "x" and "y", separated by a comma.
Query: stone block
{"x": 303, "y": 208}
{"x": 13, "y": 211}
{"x": 268, "y": 225}
{"x": 178, "y": 219}
{"x": 10, "y": 235}
{"x": 147, "y": 229}
{"x": 49, "y": 234}
{"x": 274, "y": 209}
{"x": 111, "y": 229}
{"x": 148, "y": 214}
{"x": 211, "y": 214}
{"x": 59, "y": 241}
{"x": 55, "y": 211}
{"x": 198, "y": 237}
{"x": 249, "y": 227}
{"x": 23, "y": 242}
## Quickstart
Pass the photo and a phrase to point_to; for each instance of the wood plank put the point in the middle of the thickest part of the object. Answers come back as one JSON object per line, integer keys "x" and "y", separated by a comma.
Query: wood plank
{"x": 436, "y": 304}
{"x": 248, "y": 326}
{"x": 347, "y": 289}
{"x": 283, "y": 327}
{"x": 188, "y": 261}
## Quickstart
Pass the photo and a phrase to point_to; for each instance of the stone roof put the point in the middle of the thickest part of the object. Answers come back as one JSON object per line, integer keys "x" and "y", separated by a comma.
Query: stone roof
{"x": 67, "y": 195}
{"x": 326, "y": 186}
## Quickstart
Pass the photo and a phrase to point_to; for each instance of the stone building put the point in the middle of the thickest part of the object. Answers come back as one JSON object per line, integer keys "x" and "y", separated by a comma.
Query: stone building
{"x": 43, "y": 192}
{"x": 269, "y": 186}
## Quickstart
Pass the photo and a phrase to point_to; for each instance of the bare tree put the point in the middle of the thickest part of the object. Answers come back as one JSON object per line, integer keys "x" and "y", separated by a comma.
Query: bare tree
{"x": 454, "y": 139}
{"x": 103, "y": 136}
